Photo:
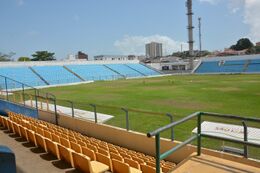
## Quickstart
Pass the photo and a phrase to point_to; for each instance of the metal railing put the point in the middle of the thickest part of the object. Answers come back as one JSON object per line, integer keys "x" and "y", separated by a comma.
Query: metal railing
{"x": 198, "y": 136}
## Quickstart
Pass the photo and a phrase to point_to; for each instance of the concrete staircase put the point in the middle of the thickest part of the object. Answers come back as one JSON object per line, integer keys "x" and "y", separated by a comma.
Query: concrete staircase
{"x": 78, "y": 76}
{"x": 45, "y": 81}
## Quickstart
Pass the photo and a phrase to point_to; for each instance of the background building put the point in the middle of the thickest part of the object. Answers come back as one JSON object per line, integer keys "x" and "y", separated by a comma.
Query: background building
{"x": 82, "y": 55}
{"x": 153, "y": 50}
{"x": 115, "y": 57}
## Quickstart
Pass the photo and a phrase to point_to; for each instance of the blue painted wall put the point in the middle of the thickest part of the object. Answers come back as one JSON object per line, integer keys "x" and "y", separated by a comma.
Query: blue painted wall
{"x": 6, "y": 106}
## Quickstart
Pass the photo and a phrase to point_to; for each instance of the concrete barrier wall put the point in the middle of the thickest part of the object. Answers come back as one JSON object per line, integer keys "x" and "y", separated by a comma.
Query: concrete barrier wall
{"x": 134, "y": 140}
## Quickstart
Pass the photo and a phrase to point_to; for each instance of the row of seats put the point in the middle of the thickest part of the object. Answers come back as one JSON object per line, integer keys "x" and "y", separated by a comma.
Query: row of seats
{"x": 93, "y": 72}
{"x": 22, "y": 74}
{"x": 84, "y": 153}
{"x": 70, "y": 74}
{"x": 56, "y": 74}
{"x": 229, "y": 66}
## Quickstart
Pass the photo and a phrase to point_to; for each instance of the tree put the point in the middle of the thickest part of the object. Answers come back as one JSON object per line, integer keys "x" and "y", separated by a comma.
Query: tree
{"x": 43, "y": 56}
{"x": 243, "y": 43}
{"x": 257, "y": 49}
{"x": 6, "y": 57}
{"x": 24, "y": 58}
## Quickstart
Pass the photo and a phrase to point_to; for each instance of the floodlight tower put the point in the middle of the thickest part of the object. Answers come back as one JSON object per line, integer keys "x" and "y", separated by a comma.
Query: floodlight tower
{"x": 190, "y": 31}
{"x": 200, "y": 33}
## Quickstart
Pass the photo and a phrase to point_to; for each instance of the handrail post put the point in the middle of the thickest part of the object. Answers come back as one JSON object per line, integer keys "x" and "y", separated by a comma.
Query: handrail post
{"x": 95, "y": 111}
{"x": 172, "y": 131}
{"x": 199, "y": 134}
{"x": 36, "y": 101}
{"x": 72, "y": 108}
{"x": 157, "y": 148}
{"x": 126, "y": 118}
{"x": 23, "y": 95}
{"x": 56, "y": 113}
{"x": 245, "y": 139}
{"x": 6, "y": 89}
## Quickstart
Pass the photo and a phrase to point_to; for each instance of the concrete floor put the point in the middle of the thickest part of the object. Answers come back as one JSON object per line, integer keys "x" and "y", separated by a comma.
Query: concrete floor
{"x": 210, "y": 164}
{"x": 30, "y": 159}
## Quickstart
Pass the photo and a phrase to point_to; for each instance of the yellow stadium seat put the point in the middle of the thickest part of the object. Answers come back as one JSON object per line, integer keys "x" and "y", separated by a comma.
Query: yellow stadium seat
{"x": 16, "y": 129}
{"x": 55, "y": 138}
{"x": 116, "y": 157}
{"x": 52, "y": 147}
{"x": 103, "y": 151}
{"x": 84, "y": 164}
{"x": 121, "y": 167}
{"x": 31, "y": 137}
{"x": 88, "y": 152}
{"x": 105, "y": 160}
{"x": 23, "y": 132}
{"x": 148, "y": 169}
{"x": 65, "y": 154}
{"x": 132, "y": 163}
{"x": 76, "y": 147}
{"x": 65, "y": 142}
{"x": 47, "y": 134}
{"x": 40, "y": 141}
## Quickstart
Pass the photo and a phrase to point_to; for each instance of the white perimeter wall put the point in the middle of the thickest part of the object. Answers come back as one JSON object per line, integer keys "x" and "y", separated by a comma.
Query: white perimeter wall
{"x": 61, "y": 63}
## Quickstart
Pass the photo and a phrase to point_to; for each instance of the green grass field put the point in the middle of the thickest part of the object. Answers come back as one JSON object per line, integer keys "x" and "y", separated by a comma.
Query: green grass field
{"x": 181, "y": 95}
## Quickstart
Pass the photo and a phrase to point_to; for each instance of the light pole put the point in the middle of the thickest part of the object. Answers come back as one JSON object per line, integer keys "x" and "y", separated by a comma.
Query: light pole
{"x": 200, "y": 34}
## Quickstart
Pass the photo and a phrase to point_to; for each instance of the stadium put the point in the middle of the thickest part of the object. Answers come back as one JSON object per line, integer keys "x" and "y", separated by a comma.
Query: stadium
{"x": 125, "y": 116}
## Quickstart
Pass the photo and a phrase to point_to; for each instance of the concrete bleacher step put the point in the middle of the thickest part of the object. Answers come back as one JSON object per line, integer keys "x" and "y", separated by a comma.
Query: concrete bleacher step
{"x": 135, "y": 70}
{"x": 154, "y": 69}
{"x": 78, "y": 76}
{"x": 45, "y": 81}
{"x": 207, "y": 163}
{"x": 246, "y": 65}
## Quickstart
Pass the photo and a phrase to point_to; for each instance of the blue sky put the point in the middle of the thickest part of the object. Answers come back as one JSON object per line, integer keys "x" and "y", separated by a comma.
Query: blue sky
{"x": 120, "y": 26}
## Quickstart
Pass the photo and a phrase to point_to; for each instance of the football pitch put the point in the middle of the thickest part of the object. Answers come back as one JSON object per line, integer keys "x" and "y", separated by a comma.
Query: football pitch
{"x": 149, "y": 99}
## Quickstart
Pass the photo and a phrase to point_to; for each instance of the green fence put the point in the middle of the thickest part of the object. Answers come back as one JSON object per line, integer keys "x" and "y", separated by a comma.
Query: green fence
{"x": 199, "y": 135}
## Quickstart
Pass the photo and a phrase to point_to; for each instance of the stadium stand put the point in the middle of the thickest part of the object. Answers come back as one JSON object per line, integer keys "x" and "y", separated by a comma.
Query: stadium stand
{"x": 125, "y": 70}
{"x": 143, "y": 69}
{"x": 22, "y": 74}
{"x": 93, "y": 72}
{"x": 76, "y": 148}
{"x": 56, "y": 74}
{"x": 240, "y": 64}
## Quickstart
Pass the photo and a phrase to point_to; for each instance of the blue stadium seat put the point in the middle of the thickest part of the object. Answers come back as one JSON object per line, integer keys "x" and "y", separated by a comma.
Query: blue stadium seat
{"x": 208, "y": 67}
{"x": 94, "y": 72}
{"x": 230, "y": 66}
{"x": 253, "y": 68}
{"x": 21, "y": 74}
{"x": 143, "y": 69}
{"x": 7, "y": 160}
{"x": 56, "y": 74}
{"x": 124, "y": 70}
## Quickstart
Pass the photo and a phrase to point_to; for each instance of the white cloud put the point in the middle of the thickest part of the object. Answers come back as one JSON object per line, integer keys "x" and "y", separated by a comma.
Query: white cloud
{"x": 235, "y": 5}
{"x": 252, "y": 18}
{"x": 251, "y": 13}
{"x": 136, "y": 44}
